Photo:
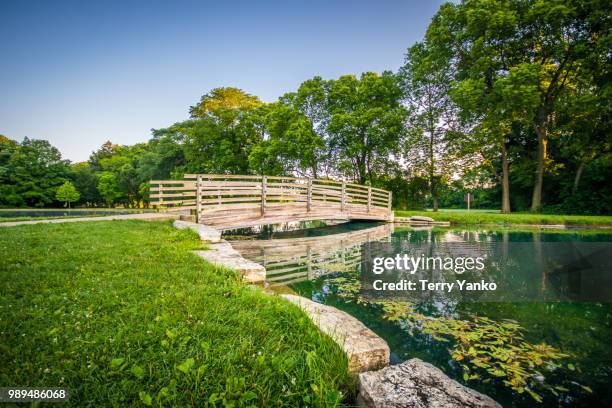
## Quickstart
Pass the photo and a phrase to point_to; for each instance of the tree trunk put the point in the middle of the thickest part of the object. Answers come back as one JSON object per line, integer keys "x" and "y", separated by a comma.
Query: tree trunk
{"x": 434, "y": 199}
{"x": 361, "y": 169}
{"x": 577, "y": 178}
{"x": 505, "y": 181}
{"x": 541, "y": 129}
{"x": 432, "y": 165}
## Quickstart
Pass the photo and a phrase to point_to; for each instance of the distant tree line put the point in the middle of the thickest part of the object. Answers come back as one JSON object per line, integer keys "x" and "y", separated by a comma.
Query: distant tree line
{"x": 507, "y": 100}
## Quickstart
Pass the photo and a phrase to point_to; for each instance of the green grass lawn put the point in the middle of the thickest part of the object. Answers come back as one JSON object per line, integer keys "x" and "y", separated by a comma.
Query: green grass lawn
{"x": 463, "y": 217}
{"x": 122, "y": 313}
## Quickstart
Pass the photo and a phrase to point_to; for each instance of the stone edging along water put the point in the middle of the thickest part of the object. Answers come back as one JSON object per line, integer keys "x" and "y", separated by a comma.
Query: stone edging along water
{"x": 411, "y": 383}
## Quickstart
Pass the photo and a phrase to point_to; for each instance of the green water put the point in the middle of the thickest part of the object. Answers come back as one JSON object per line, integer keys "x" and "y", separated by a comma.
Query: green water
{"x": 582, "y": 330}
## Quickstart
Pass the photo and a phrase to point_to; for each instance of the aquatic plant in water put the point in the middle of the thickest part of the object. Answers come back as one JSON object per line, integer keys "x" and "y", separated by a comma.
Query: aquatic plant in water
{"x": 484, "y": 348}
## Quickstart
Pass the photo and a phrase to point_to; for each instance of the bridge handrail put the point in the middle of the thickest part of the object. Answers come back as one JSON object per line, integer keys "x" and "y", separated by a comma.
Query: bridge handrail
{"x": 216, "y": 192}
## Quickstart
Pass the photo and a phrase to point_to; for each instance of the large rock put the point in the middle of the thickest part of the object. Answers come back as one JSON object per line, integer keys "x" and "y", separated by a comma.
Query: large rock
{"x": 417, "y": 384}
{"x": 364, "y": 349}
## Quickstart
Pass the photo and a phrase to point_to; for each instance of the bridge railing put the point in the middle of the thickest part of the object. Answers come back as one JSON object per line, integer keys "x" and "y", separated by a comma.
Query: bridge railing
{"x": 216, "y": 197}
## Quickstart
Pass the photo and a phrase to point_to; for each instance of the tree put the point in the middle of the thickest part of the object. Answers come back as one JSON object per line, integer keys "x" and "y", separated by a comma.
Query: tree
{"x": 85, "y": 181}
{"x": 223, "y": 99}
{"x": 514, "y": 60}
{"x": 105, "y": 151}
{"x": 289, "y": 145}
{"x": 361, "y": 120}
{"x": 8, "y": 191}
{"x": 67, "y": 193}
{"x": 426, "y": 80}
{"x": 107, "y": 186}
{"x": 32, "y": 171}
{"x": 220, "y": 135}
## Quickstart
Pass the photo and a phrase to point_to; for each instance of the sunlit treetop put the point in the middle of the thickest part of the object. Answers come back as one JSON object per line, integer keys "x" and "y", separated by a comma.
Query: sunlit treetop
{"x": 226, "y": 98}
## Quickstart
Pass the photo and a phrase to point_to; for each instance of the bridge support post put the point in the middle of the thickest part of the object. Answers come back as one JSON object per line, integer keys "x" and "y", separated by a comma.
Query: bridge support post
{"x": 389, "y": 209}
{"x": 343, "y": 197}
{"x": 309, "y": 195}
{"x": 369, "y": 198}
{"x": 263, "y": 195}
{"x": 198, "y": 198}
{"x": 161, "y": 195}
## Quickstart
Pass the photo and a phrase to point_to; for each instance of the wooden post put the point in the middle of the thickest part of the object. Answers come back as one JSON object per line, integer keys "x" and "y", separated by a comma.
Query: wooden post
{"x": 369, "y": 198}
{"x": 389, "y": 205}
{"x": 343, "y": 197}
{"x": 309, "y": 196}
{"x": 263, "y": 195}
{"x": 198, "y": 197}
{"x": 161, "y": 198}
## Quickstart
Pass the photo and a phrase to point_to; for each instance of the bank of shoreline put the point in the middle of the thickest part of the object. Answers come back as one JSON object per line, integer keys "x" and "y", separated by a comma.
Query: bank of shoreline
{"x": 519, "y": 220}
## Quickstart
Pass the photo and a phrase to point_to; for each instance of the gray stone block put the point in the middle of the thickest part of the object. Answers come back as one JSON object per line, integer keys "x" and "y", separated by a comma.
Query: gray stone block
{"x": 205, "y": 232}
{"x": 417, "y": 384}
{"x": 365, "y": 350}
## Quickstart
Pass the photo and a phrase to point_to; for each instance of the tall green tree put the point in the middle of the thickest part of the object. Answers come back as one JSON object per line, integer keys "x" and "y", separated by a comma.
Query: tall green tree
{"x": 360, "y": 119}
{"x": 426, "y": 79}
{"x": 33, "y": 170}
{"x": 85, "y": 181}
{"x": 107, "y": 186}
{"x": 8, "y": 191}
{"x": 514, "y": 61}
{"x": 67, "y": 193}
{"x": 220, "y": 135}
{"x": 223, "y": 99}
{"x": 289, "y": 144}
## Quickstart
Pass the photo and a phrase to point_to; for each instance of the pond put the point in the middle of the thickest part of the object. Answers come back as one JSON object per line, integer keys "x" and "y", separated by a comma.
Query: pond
{"x": 538, "y": 347}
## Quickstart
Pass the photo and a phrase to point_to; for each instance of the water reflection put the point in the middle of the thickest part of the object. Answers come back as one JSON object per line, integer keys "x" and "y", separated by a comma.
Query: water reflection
{"x": 322, "y": 251}
{"x": 524, "y": 266}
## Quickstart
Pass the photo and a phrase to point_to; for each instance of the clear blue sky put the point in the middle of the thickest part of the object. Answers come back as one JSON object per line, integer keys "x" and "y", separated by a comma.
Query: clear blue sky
{"x": 78, "y": 73}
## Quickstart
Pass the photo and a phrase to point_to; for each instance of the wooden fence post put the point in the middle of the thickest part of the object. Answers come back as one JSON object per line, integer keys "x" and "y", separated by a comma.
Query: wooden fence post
{"x": 161, "y": 197}
{"x": 389, "y": 205}
{"x": 369, "y": 198}
{"x": 198, "y": 197}
{"x": 343, "y": 196}
{"x": 309, "y": 196}
{"x": 263, "y": 196}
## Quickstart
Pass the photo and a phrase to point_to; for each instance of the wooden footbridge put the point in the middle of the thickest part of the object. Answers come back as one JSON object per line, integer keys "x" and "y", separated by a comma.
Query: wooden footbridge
{"x": 235, "y": 201}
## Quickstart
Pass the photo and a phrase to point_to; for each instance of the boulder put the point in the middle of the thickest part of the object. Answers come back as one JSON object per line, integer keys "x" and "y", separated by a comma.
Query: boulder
{"x": 364, "y": 349}
{"x": 418, "y": 384}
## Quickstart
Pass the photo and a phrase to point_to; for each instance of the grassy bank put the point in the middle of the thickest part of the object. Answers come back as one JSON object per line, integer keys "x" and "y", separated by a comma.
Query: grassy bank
{"x": 121, "y": 313}
{"x": 463, "y": 217}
